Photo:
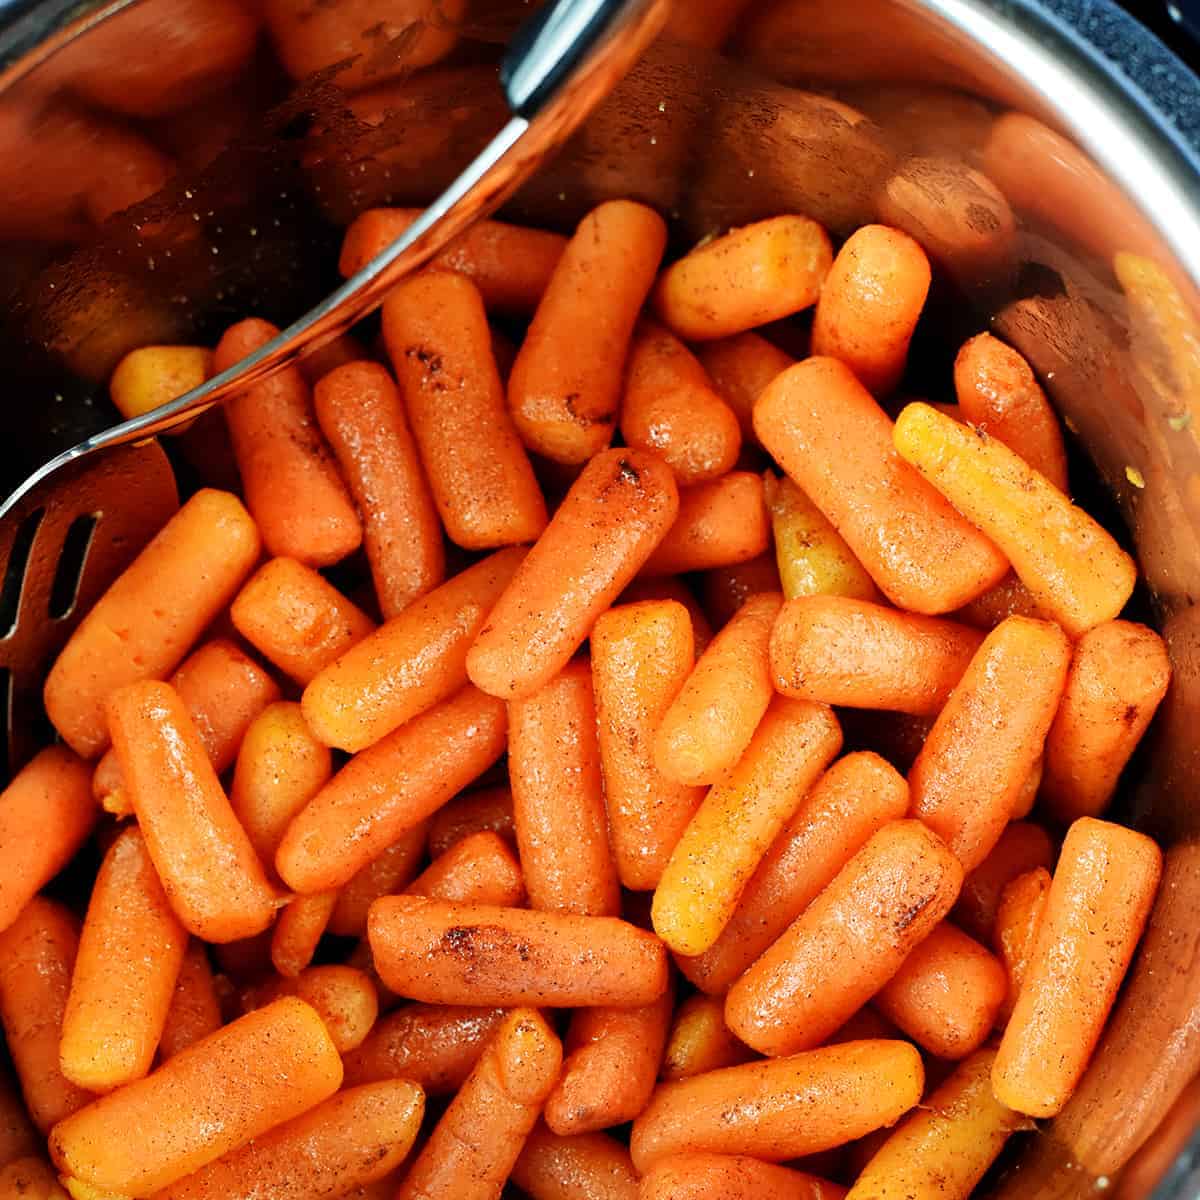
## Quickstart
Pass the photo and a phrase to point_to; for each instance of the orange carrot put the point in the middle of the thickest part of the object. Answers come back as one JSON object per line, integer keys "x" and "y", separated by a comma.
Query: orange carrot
{"x": 391, "y": 872}
{"x": 616, "y": 512}
{"x": 699, "y": 1041}
{"x": 195, "y": 1011}
{"x": 1018, "y": 923}
{"x": 18, "y": 1138}
{"x": 479, "y": 869}
{"x": 148, "y": 620}
{"x": 587, "y": 1166}
{"x": 726, "y": 589}
{"x": 740, "y": 367}
{"x": 343, "y": 997}
{"x": 473, "y": 812}
{"x": 1022, "y": 847}
{"x": 299, "y": 930}
{"x": 30, "y": 1178}
{"x": 565, "y": 386}
{"x": 732, "y": 1177}
{"x": 848, "y": 943}
{"x": 671, "y": 587}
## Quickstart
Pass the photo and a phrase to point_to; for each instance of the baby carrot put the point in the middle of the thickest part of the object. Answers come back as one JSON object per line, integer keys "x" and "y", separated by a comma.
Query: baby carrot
{"x": 1022, "y": 847}
{"x": 213, "y": 879}
{"x": 987, "y": 739}
{"x": 862, "y": 655}
{"x": 719, "y": 523}
{"x": 205, "y": 1102}
{"x": 1103, "y": 888}
{"x": 389, "y": 788}
{"x": 291, "y": 483}
{"x": 847, "y": 943}
{"x": 1018, "y": 923}
{"x": 749, "y": 277}
{"x": 296, "y": 619}
{"x": 18, "y": 1138}
{"x": 195, "y": 1011}
{"x": 784, "y": 1108}
{"x": 1075, "y": 571}
{"x": 473, "y": 812}
{"x": 361, "y": 415}
{"x": 851, "y": 802}
{"x": 391, "y": 872}
{"x": 699, "y": 1041}
{"x": 616, "y": 512}
{"x": 738, "y": 820}
{"x": 740, "y": 367}
{"x": 1118, "y": 677}
{"x": 479, "y": 869}
{"x": 148, "y": 620}
{"x": 870, "y": 305}
{"x": 30, "y": 1178}
{"x": 440, "y": 345}
{"x": 130, "y": 953}
{"x": 822, "y": 426}
{"x": 343, "y": 997}
{"x": 410, "y": 663}
{"x": 473, "y": 1147}
{"x": 732, "y": 1177}
{"x": 586, "y": 1166}
{"x": 710, "y": 723}
{"x": 299, "y": 930}
{"x": 442, "y": 953}
{"x": 726, "y": 589}
{"x": 46, "y": 814}
{"x": 671, "y": 587}
{"x": 151, "y": 376}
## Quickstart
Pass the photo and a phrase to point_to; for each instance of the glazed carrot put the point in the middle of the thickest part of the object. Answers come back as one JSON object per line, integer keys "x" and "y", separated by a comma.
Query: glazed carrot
{"x": 30, "y": 1178}
{"x": 616, "y": 512}
{"x": 46, "y": 814}
{"x": 784, "y": 1108}
{"x": 361, "y": 415}
{"x": 130, "y": 953}
{"x": 1022, "y": 847}
{"x": 847, "y": 943}
{"x": 18, "y": 1138}
{"x": 297, "y": 620}
{"x": 1076, "y": 572}
{"x": 436, "y": 1046}
{"x": 440, "y": 345}
{"x": 148, "y": 620}
{"x": 670, "y": 407}
{"x": 391, "y": 872}
{"x": 987, "y": 739}
{"x": 479, "y": 869}
{"x": 151, "y": 376}
{"x": 442, "y": 953}
{"x": 671, "y": 587}
{"x": 37, "y": 956}
{"x": 212, "y": 877}
{"x": 870, "y": 305}
{"x": 473, "y": 812}
{"x": 1149, "y": 1165}
{"x": 509, "y": 264}
{"x": 732, "y": 1177}
{"x": 699, "y": 1041}
{"x": 390, "y": 788}
{"x": 195, "y": 1011}
{"x": 473, "y": 1147}
{"x": 1009, "y": 598}
{"x": 726, "y": 589}
{"x": 740, "y": 367}
{"x": 410, "y": 663}
{"x": 299, "y": 930}
{"x": 719, "y": 524}
{"x": 1118, "y": 677}
{"x": 1103, "y": 869}
{"x": 851, "y": 802}
{"x": 749, "y": 277}
{"x": 997, "y": 390}
{"x": 822, "y": 426}
{"x": 205, "y": 1102}
{"x": 1018, "y": 923}
{"x": 343, "y": 997}
{"x": 352, "y": 1139}
{"x": 710, "y": 723}
{"x": 558, "y": 797}
{"x": 739, "y": 819}
{"x": 587, "y": 1166}
{"x": 862, "y": 655}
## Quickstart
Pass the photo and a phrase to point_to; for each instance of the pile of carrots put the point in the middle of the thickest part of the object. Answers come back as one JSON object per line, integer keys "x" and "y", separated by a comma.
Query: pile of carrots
{"x": 420, "y": 890}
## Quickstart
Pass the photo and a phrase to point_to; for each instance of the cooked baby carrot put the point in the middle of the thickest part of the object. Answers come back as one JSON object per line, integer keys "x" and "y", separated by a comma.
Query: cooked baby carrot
{"x": 352, "y": 1139}
{"x": 473, "y": 1147}
{"x": 1075, "y": 571}
{"x": 299, "y": 930}
{"x": 389, "y": 788}
{"x": 1103, "y": 888}
{"x": 699, "y": 1040}
{"x": 205, "y": 1102}
{"x": 443, "y": 953}
{"x": 1017, "y": 925}
{"x": 616, "y": 512}
{"x": 738, "y": 820}
{"x": 870, "y": 305}
{"x": 361, "y": 415}
{"x": 847, "y": 943}
{"x": 344, "y": 998}
{"x": 670, "y": 407}
{"x": 732, "y": 1177}
{"x": 1009, "y": 598}
{"x": 391, "y": 872}
{"x": 479, "y": 869}
{"x": 440, "y": 345}
{"x": 822, "y": 426}
{"x": 671, "y": 587}
{"x": 148, "y": 620}
{"x": 987, "y": 739}
{"x": 862, "y": 655}
{"x": 195, "y": 1011}
{"x": 740, "y": 367}
{"x": 710, "y": 723}
{"x": 997, "y": 390}
{"x": 37, "y": 956}
{"x": 213, "y": 879}
{"x": 31, "y": 1178}
{"x": 410, "y": 663}
{"x": 130, "y": 953}
{"x": 749, "y": 277}
{"x": 558, "y": 797}
{"x": 1118, "y": 677}
{"x": 719, "y": 524}
{"x": 473, "y": 812}
{"x": 18, "y": 1137}
{"x": 565, "y": 386}
{"x": 784, "y": 1108}
{"x": 151, "y": 376}
{"x": 587, "y": 1166}
{"x": 851, "y": 802}
{"x": 46, "y": 814}
{"x": 726, "y": 589}
{"x": 296, "y": 619}
{"x": 1022, "y": 847}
